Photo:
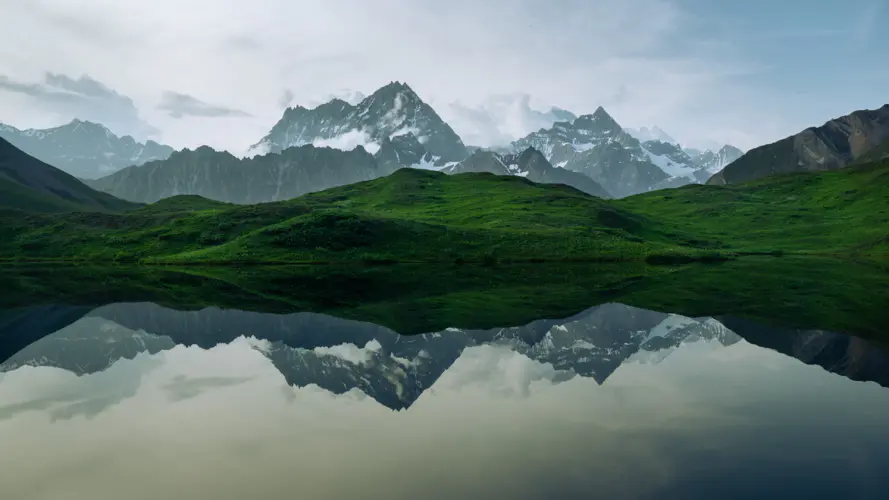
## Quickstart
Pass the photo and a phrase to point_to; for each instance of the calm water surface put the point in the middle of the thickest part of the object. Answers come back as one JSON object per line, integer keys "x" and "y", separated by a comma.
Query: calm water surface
{"x": 140, "y": 401}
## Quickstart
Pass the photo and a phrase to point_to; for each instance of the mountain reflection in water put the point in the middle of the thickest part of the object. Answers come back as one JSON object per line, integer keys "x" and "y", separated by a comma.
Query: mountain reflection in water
{"x": 137, "y": 400}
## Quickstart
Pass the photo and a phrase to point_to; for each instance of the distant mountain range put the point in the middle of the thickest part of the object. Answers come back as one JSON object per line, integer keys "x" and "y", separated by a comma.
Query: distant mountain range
{"x": 396, "y": 129}
{"x": 84, "y": 149}
{"x": 591, "y": 153}
{"x": 599, "y": 147}
{"x": 861, "y": 135}
{"x": 343, "y": 355}
{"x": 530, "y": 164}
{"x": 218, "y": 175}
{"x": 27, "y": 183}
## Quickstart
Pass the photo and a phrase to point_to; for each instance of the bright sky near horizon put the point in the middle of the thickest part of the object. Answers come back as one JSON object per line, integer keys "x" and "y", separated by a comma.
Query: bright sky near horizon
{"x": 220, "y": 72}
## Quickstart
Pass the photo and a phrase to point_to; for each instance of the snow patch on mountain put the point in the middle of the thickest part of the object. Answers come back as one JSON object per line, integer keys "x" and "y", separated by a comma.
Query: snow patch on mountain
{"x": 669, "y": 323}
{"x": 669, "y": 166}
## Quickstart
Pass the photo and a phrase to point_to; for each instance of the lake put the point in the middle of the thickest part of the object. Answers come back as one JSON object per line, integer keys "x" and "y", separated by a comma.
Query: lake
{"x": 534, "y": 383}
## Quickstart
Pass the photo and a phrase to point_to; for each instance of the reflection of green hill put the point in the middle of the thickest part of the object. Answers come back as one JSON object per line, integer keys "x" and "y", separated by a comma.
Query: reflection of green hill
{"x": 790, "y": 292}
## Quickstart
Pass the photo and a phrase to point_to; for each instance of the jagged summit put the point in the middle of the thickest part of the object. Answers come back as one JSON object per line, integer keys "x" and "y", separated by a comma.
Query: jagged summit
{"x": 601, "y": 114}
{"x": 395, "y": 86}
{"x": 392, "y": 110}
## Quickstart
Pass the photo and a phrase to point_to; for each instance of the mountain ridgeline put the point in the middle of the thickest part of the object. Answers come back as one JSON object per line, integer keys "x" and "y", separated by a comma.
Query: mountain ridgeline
{"x": 218, "y": 175}
{"x": 29, "y": 184}
{"x": 591, "y": 153}
{"x": 84, "y": 149}
{"x": 840, "y": 142}
{"x": 530, "y": 164}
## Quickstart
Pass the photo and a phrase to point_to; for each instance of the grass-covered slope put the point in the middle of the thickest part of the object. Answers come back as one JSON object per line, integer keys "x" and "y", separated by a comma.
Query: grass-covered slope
{"x": 838, "y": 212}
{"x": 28, "y": 184}
{"x": 410, "y": 216}
{"x": 425, "y": 216}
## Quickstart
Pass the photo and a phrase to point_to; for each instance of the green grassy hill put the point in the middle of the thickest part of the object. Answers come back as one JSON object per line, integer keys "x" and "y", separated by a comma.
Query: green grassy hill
{"x": 424, "y": 216}
{"x": 409, "y": 216}
{"x": 838, "y": 212}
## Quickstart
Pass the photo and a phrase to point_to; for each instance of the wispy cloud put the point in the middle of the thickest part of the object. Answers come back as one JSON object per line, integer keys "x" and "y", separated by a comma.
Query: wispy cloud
{"x": 85, "y": 98}
{"x": 662, "y": 62}
{"x": 179, "y": 105}
{"x": 286, "y": 98}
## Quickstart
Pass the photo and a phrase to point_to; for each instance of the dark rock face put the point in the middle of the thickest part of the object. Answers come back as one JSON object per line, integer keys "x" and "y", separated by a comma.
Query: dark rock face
{"x": 836, "y": 144}
{"x": 27, "y": 183}
{"x": 84, "y": 149}
{"x": 223, "y": 177}
{"x": 530, "y": 164}
{"x": 305, "y": 169}
{"x": 392, "y": 111}
{"x": 402, "y": 151}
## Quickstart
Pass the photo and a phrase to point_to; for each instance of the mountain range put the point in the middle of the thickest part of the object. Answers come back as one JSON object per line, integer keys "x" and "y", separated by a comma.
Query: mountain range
{"x": 339, "y": 143}
{"x": 390, "y": 129}
{"x": 218, "y": 175}
{"x": 395, "y": 126}
{"x": 342, "y": 355}
{"x": 84, "y": 149}
{"x": 596, "y": 145}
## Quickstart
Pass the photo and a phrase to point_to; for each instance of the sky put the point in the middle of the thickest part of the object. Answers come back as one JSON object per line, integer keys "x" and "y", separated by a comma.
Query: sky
{"x": 221, "y": 72}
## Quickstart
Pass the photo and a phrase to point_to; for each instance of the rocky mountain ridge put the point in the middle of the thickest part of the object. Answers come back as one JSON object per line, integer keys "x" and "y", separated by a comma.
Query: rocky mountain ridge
{"x": 218, "y": 175}
{"x": 84, "y": 149}
{"x": 834, "y": 145}
{"x": 596, "y": 145}
{"x": 391, "y": 111}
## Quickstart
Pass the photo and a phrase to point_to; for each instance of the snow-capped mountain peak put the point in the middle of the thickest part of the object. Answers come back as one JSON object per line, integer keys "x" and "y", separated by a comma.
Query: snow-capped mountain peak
{"x": 391, "y": 111}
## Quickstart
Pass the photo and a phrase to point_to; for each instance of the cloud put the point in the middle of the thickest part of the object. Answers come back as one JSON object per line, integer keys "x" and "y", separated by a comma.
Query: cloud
{"x": 85, "y": 98}
{"x": 500, "y": 119}
{"x": 286, "y": 98}
{"x": 352, "y": 97}
{"x": 349, "y": 141}
{"x": 647, "y": 61}
{"x": 178, "y": 105}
